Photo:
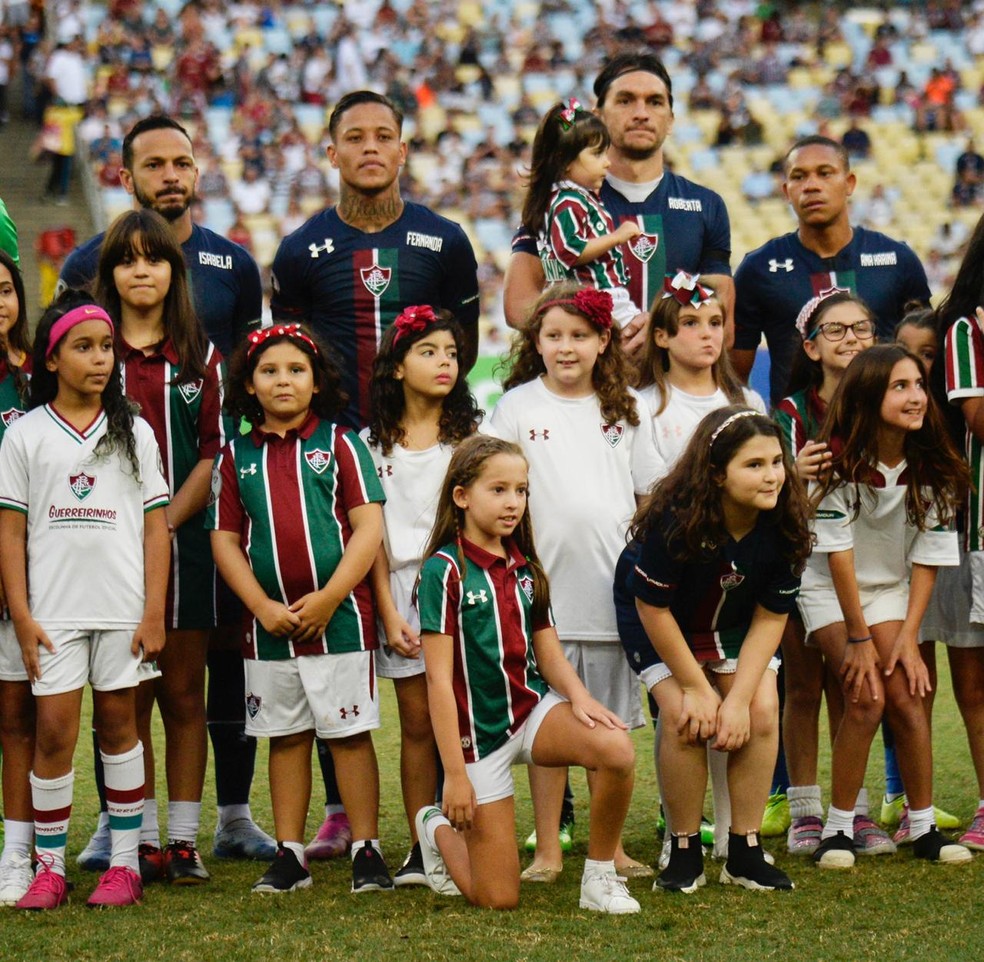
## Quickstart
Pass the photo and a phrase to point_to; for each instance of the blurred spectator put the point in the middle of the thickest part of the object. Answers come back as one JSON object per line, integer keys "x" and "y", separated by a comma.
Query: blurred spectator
{"x": 702, "y": 96}
{"x": 936, "y": 110}
{"x": 7, "y": 55}
{"x": 950, "y": 237}
{"x": 971, "y": 160}
{"x": 104, "y": 145}
{"x": 758, "y": 185}
{"x": 877, "y": 212}
{"x": 829, "y": 104}
{"x": 966, "y": 191}
{"x": 239, "y": 233}
{"x": 879, "y": 55}
{"x": 251, "y": 195}
{"x": 856, "y": 141}
{"x": 108, "y": 174}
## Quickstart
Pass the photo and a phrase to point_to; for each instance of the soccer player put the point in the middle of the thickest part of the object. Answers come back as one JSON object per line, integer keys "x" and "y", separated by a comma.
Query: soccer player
{"x": 824, "y": 252}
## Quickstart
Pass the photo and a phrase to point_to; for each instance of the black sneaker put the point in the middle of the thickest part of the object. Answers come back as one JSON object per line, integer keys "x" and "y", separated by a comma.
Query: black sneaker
{"x": 747, "y": 867}
{"x": 285, "y": 874}
{"x": 369, "y": 871}
{"x": 837, "y": 851}
{"x": 151, "y": 863}
{"x": 685, "y": 870}
{"x": 184, "y": 865}
{"x": 935, "y": 848}
{"x": 411, "y": 872}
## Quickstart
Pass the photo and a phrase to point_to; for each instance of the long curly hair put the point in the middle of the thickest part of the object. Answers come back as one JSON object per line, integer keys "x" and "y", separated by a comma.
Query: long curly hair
{"x": 655, "y": 363}
{"x": 467, "y": 462}
{"x": 854, "y": 418}
{"x": 145, "y": 232}
{"x": 44, "y": 384}
{"x": 460, "y": 413}
{"x": 555, "y": 147}
{"x": 326, "y": 402}
{"x": 17, "y": 337}
{"x": 610, "y": 377}
{"x": 690, "y": 495}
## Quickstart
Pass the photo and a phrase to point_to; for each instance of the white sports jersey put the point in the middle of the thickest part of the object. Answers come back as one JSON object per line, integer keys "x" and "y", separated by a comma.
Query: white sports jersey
{"x": 885, "y": 544}
{"x": 85, "y": 518}
{"x": 412, "y": 483}
{"x": 674, "y": 426}
{"x": 584, "y": 475}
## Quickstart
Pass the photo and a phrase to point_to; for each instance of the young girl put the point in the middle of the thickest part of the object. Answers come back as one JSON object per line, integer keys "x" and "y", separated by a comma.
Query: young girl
{"x": 714, "y": 570}
{"x": 576, "y": 236}
{"x": 836, "y": 327}
{"x": 296, "y": 524}
{"x": 172, "y": 371}
{"x": 881, "y": 523}
{"x": 420, "y": 410}
{"x": 16, "y": 702}
{"x": 587, "y": 438}
{"x": 501, "y": 691}
{"x": 84, "y": 553}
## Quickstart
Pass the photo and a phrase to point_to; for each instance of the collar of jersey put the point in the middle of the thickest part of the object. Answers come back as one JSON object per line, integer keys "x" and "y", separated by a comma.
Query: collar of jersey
{"x": 260, "y": 437}
{"x": 571, "y": 185}
{"x": 165, "y": 349}
{"x": 485, "y": 559}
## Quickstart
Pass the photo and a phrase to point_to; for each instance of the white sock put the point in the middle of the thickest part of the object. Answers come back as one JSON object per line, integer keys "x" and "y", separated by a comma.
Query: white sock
{"x": 804, "y": 800}
{"x": 921, "y": 820}
{"x": 298, "y": 849}
{"x": 150, "y": 832}
{"x": 598, "y": 867}
{"x": 182, "y": 821}
{"x": 359, "y": 843}
{"x": 717, "y": 764}
{"x": 233, "y": 813}
{"x": 861, "y": 805}
{"x": 124, "y": 780}
{"x": 980, "y": 804}
{"x": 431, "y": 823}
{"x": 18, "y": 838}
{"x": 838, "y": 820}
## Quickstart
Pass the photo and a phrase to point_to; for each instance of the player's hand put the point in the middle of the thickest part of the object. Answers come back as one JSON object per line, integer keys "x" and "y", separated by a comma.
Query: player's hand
{"x": 277, "y": 618}
{"x": 634, "y": 334}
{"x": 149, "y": 638}
{"x": 813, "y": 460}
{"x": 860, "y": 667}
{"x": 401, "y": 637}
{"x": 979, "y": 317}
{"x": 627, "y": 231}
{"x": 31, "y": 636}
{"x": 459, "y": 802}
{"x": 313, "y": 612}
{"x": 590, "y": 712}
{"x": 734, "y": 725}
{"x": 698, "y": 714}
{"x": 905, "y": 652}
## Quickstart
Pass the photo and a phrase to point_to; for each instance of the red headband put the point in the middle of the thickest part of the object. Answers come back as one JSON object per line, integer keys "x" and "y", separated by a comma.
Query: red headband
{"x": 293, "y": 331}
{"x": 87, "y": 312}
{"x": 595, "y": 305}
{"x": 412, "y": 320}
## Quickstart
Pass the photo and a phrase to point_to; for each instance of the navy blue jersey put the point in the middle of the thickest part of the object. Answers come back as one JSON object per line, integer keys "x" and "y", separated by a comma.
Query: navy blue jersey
{"x": 224, "y": 279}
{"x": 775, "y": 281}
{"x": 684, "y": 227}
{"x": 349, "y": 285}
{"x": 712, "y": 601}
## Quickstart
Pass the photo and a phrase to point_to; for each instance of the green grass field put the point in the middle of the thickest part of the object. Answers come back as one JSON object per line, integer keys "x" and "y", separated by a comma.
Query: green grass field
{"x": 888, "y": 908}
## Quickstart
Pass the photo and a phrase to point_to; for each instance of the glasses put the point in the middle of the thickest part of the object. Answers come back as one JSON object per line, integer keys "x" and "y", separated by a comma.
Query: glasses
{"x": 835, "y": 331}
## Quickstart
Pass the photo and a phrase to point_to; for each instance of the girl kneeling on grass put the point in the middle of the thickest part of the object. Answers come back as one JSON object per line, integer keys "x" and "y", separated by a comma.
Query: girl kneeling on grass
{"x": 714, "y": 568}
{"x": 501, "y": 691}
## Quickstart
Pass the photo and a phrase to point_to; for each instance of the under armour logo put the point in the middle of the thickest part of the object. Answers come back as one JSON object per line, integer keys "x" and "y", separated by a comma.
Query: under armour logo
{"x": 477, "y": 597}
{"x": 250, "y": 470}
{"x": 786, "y": 265}
{"x": 328, "y": 247}
{"x": 545, "y": 434}
{"x": 385, "y": 470}
{"x": 345, "y": 712}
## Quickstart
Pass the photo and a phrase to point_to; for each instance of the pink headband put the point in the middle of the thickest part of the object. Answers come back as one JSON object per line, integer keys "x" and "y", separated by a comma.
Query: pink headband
{"x": 293, "y": 331}
{"x": 77, "y": 315}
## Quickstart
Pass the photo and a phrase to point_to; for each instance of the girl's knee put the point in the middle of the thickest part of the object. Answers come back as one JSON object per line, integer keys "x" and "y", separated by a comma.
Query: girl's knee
{"x": 500, "y": 897}
{"x": 763, "y": 717}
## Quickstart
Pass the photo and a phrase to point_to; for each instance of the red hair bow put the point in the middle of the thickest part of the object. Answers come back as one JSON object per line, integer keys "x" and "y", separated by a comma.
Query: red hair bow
{"x": 412, "y": 320}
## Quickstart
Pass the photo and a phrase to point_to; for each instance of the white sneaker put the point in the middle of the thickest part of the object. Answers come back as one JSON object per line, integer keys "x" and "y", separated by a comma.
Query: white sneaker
{"x": 434, "y": 868}
{"x": 243, "y": 838}
{"x": 16, "y": 876}
{"x": 606, "y": 892}
{"x": 95, "y": 856}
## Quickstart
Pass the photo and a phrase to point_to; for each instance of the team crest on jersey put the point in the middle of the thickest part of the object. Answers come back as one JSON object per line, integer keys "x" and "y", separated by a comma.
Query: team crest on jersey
{"x": 731, "y": 580}
{"x": 376, "y": 279}
{"x": 9, "y": 416}
{"x": 644, "y": 246}
{"x": 526, "y": 583}
{"x": 253, "y": 704}
{"x": 612, "y": 433}
{"x": 318, "y": 460}
{"x": 81, "y": 484}
{"x": 191, "y": 390}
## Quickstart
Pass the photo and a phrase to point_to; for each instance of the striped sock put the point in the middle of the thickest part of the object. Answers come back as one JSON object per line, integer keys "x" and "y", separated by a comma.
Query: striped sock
{"x": 52, "y": 799}
{"x": 124, "y": 776}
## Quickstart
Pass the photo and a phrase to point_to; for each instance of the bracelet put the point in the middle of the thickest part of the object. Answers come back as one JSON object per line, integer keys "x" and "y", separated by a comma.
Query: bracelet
{"x": 859, "y": 641}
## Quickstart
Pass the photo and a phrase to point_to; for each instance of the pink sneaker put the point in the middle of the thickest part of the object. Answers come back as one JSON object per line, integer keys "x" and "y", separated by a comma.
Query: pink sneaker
{"x": 974, "y": 836}
{"x": 803, "y": 837}
{"x": 903, "y": 834}
{"x": 47, "y": 891}
{"x": 870, "y": 839}
{"x": 333, "y": 840}
{"x": 118, "y": 886}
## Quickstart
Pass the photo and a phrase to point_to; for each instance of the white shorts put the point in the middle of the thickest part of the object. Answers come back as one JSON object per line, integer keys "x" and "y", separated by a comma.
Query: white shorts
{"x": 101, "y": 657}
{"x": 335, "y": 695}
{"x": 820, "y": 607}
{"x": 604, "y": 671}
{"x": 390, "y": 663}
{"x": 654, "y": 674}
{"x": 491, "y": 777}
{"x": 11, "y": 661}
{"x": 952, "y": 616}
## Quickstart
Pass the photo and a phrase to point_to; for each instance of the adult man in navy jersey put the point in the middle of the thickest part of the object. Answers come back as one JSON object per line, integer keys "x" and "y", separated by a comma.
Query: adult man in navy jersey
{"x": 776, "y": 280}
{"x": 160, "y": 173}
{"x": 351, "y": 269}
{"x": 684, "y": 225}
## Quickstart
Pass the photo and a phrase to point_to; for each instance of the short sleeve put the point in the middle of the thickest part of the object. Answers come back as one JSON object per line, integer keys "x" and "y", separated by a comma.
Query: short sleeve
{"x": 748, "y": 312}
{"x": 655, "y": 575}
{"x": 225, "y": 508}
{"x": 936, "y": 546}
{"x": 288, "y": 301}
{"x": 211, "y": 422}
{"x": 832, "y": 523}
{"x": 155, "y": 489}
{"x": 359, "y": 481}
{"x": 15, "y": 485}
{"x": 565, "y": 232}
{"x": 437, "y": 596}
{"x": 523, "y": 242}
{"x": 715, "y": 254}
{"x": 779, "y": 593}
{"x": 459, "y": 291}
{"x": 964, "y": 355}
{"x": 790, "y": 424}
{"x": 648, "y": 465}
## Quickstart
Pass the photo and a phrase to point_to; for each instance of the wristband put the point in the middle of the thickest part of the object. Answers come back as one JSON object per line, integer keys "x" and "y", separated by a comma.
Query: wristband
{"x": 859, "y": 641}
